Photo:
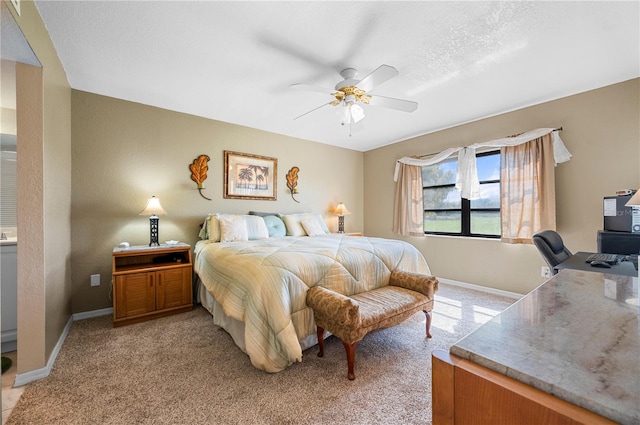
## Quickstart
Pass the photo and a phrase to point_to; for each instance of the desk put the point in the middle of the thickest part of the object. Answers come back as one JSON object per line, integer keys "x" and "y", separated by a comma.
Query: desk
{"x": 574, "y": 340}
{"x": 578, "y": 262}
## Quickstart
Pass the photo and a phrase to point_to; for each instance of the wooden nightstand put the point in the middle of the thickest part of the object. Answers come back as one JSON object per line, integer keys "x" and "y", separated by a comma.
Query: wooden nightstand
{"x": 151, "y": 282}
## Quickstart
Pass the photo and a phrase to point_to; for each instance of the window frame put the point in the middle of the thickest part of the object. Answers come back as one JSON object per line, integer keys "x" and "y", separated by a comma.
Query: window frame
{"x": 465, "y": 206}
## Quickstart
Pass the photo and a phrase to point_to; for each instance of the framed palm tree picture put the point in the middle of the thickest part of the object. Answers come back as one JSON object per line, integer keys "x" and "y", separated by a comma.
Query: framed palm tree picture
{"x": 249, "y": 176}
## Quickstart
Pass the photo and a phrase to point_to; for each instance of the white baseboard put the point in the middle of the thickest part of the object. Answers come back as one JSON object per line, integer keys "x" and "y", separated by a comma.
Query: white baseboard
{"x": 9, "y": 346}
{"x": 493, "y": 291}
{"x": 34, "y": 375}
{"x": 8, "y": 336}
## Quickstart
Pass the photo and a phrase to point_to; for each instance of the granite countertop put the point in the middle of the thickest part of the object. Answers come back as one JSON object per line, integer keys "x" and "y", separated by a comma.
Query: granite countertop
{"x": 577, "y": 336}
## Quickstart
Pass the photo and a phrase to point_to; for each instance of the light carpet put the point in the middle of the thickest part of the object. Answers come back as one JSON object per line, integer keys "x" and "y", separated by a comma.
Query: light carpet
{"x": 183, "y": 369}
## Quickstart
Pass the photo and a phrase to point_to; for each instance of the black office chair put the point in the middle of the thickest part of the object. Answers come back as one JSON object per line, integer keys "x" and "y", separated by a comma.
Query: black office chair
{"x": 551, "y": 247}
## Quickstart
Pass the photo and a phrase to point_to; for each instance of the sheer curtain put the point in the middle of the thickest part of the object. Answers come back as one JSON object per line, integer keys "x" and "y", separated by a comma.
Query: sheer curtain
{"x": 527, "y": 175}
{"x": 523, "y": 213}
{"x": 408, "y": 209}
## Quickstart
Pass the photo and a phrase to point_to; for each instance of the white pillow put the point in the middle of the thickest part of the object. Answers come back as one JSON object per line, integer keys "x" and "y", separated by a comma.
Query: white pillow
{"x": 320, "y": 219}
{"x": 233, "y": 229}
{"x": 213, "y": 225}
{"x": 205, "y": 230}
{"x": 214, "y": 228}
{"x": 294, "y": 226}
{"x": 256, "y": 227}
{"x": 292, "y": 223}
{"x": 312, "y": 227}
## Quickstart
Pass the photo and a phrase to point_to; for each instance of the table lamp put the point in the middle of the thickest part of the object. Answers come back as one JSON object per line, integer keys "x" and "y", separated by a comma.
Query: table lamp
{"x": 153, "y": 209}
{"x": 341, "y": 211}
{"x": 634, "y": 201}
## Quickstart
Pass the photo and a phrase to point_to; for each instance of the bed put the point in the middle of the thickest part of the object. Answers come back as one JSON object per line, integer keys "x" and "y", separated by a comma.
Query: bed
{"x": 254, "y": 280}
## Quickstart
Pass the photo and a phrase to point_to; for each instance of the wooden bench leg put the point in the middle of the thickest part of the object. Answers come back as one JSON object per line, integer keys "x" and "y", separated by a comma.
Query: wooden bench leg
{"x": 351, "y": 358}
{"x": 428, "y": 323}
{"x": 320, "y": 341}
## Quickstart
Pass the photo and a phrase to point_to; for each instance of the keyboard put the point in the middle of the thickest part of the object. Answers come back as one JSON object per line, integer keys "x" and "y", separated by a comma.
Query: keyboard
{"x": 607, "y": 258}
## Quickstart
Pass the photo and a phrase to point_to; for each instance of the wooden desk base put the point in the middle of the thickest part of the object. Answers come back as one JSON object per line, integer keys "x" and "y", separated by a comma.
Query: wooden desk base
{"x": 466, "y": 393}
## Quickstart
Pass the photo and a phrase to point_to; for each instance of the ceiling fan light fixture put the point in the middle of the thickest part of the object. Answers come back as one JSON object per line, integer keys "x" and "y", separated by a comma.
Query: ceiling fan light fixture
{"x": 345, "y": 115}
{"x": 349, "y": 100}
{"x": 351, "y": 93}
{"x": 357, "y": 113}
{"x": 351, "y": 113}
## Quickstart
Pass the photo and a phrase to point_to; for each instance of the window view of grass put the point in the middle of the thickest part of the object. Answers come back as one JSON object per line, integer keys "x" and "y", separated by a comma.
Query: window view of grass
{"x": 485, "y": 223}
{"x": 444, "y": 221}
{"x": 482, "y": 223}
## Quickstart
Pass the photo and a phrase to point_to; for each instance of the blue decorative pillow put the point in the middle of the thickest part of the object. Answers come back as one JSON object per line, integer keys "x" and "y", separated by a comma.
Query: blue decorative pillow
{"x": 275, "y": 225}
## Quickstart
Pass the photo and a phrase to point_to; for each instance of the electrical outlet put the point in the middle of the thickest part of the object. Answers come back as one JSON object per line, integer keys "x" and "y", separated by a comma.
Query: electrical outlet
{"x": 545, "y": 272}
{"x": 95, "y": 280}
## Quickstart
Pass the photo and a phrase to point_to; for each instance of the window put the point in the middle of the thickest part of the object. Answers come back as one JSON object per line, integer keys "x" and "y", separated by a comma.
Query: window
{"x": 446, "y": 213}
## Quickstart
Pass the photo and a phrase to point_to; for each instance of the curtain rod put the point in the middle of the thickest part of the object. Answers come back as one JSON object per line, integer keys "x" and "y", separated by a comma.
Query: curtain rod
{"x": 435, "y": 153}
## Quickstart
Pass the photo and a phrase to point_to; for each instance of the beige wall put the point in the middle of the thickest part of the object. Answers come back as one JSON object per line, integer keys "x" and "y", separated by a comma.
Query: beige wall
{"x": 125, "y": 152}
{"x": 44, "y": 196}
{"x": 601, "y": 130}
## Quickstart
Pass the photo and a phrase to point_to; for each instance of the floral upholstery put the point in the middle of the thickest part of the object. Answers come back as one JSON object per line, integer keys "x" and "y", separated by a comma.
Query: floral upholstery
{"x": 426, "y": 285}
{"x": 350, "y": 318}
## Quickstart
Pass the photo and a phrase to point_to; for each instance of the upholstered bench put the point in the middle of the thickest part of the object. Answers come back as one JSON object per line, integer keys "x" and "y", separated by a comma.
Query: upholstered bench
{"x": 350, "y": 318}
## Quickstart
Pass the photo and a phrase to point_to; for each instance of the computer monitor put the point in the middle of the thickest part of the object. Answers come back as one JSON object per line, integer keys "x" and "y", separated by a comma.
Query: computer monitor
{"x": 618, "y": 242}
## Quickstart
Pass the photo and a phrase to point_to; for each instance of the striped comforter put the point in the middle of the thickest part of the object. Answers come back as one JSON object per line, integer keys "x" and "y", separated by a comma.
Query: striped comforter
{"x": 263, "y": 283}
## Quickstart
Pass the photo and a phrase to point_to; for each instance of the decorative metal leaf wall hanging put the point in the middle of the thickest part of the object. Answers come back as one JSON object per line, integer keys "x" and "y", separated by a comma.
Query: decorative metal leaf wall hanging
{"x": 292, "y": 181}
{"x": 199, "y": 169}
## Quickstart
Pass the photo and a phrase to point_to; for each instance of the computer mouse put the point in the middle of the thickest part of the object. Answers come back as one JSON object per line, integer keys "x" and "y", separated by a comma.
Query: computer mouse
{"x": 602, "y": 264}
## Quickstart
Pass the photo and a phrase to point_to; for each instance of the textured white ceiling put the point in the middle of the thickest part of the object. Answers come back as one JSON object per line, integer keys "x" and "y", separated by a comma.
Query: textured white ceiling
{"x": 234, "y": 61}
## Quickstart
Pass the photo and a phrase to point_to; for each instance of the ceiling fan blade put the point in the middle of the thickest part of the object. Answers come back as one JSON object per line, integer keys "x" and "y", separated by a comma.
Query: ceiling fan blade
{"x": 313, "y": 88}
{"x": 393, "y": 103}
{"x": 301, "y": 53}
{"x": 378, "y": 76}
{"x": 314, "y": 109}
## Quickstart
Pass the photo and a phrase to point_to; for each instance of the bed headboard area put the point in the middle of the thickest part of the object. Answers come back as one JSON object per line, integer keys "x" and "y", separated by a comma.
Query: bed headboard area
{"x": 223, "y": 227}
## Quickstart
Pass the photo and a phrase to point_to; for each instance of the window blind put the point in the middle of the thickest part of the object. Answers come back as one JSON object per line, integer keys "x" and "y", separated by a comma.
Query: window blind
{"x": 8, "y": 189}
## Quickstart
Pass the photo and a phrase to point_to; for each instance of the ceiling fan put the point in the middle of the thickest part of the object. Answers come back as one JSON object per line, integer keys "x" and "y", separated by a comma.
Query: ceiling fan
{"x": 351, "y": 92}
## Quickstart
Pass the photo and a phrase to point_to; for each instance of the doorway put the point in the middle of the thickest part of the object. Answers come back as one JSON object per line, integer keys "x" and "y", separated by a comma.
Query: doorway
{"x": 14, "y": 49}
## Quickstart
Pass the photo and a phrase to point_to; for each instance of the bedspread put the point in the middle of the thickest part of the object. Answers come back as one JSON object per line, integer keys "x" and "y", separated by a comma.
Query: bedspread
{"x": 264, "y": 282}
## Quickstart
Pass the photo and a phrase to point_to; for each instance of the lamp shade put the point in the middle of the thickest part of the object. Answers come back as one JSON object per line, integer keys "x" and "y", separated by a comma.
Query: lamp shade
{"x": 153, "y": 207}
{"x": 341, "y": 210}
{"x": 634, "y": 201}
{"x": 357, "y": 113}
{"x": 352, "y": 113}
